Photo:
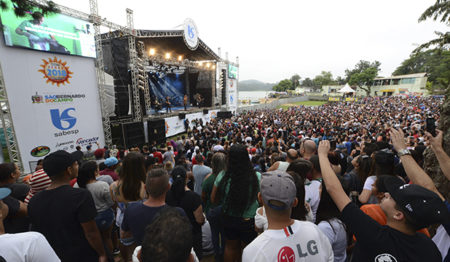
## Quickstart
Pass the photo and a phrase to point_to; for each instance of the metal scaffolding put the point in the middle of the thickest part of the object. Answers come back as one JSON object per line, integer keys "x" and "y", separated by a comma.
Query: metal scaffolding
{"x": 137, "y": 111}
{"x": 96, "y": 20}
{"x": 8, "y": 127}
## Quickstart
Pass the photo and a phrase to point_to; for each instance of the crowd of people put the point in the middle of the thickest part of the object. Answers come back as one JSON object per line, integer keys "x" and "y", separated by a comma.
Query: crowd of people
{"x": 337, "y": 182}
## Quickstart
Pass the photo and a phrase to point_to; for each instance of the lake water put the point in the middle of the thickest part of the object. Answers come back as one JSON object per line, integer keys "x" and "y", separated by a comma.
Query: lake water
{"x": 253, "y": 95}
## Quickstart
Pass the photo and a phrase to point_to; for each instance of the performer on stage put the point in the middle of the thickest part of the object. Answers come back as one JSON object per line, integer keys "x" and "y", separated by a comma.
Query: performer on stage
{"x": 185, "y": 102}
{"x": 168, "y": 107}
{"x": 199, "y": 100}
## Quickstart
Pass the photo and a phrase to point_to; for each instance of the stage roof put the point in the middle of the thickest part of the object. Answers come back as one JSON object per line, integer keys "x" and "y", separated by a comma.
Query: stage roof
{"x": 170, "y": 41}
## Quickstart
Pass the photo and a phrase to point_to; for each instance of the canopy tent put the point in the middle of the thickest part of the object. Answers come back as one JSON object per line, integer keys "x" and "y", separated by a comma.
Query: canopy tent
{"x": 346, "y": 89}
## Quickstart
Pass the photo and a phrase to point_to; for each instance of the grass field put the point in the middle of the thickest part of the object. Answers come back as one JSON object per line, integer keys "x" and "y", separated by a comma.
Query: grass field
{"x": 303, "y": 103}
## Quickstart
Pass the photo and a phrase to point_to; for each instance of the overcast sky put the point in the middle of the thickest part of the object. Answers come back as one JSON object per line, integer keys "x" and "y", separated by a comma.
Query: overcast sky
{"x": 276, "y": 39}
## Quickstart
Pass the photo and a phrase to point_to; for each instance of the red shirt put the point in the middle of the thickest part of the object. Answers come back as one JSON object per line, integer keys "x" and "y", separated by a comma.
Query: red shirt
{"x": 111, "y": 173}
{"x": 159, "y": 156}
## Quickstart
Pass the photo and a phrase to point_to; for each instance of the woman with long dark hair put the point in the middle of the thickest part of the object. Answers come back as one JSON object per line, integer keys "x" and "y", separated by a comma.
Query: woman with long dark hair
{"x": 129, "y": 188}
{"x": 237, "y": 189}
{"x": 102, "y": 198}
{"x": 327, "y": 219}
{"x": 180, "y": 195}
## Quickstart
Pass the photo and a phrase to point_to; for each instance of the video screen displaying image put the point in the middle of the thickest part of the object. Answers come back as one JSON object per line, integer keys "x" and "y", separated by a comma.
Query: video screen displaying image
{"x": 56, "y": 33}
{"x": 232, "y": 72}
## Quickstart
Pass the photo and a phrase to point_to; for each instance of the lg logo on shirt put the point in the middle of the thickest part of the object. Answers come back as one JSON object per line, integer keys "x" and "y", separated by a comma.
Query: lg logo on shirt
{"x": 64, "y": 121}
{"x": 58, "y": 119}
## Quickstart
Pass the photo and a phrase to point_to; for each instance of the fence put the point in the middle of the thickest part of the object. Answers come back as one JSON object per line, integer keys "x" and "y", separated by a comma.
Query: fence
{"x": 273, "y": 104}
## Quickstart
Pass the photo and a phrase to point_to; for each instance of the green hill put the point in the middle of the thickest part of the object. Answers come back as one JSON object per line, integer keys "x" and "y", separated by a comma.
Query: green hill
{"x": 254, "y": 85}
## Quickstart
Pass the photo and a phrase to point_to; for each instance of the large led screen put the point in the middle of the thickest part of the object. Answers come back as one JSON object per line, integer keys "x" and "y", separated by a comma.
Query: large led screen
{"x": 56, "y": 33}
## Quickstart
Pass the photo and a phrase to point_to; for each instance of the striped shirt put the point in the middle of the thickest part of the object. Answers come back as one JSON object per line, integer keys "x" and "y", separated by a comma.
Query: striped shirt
{"x": 39, "y": 181}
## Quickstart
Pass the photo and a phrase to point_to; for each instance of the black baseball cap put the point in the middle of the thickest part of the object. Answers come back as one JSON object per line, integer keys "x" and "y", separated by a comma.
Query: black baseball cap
{"x": 422, "y": 206}
{"x": 57, "y": 162}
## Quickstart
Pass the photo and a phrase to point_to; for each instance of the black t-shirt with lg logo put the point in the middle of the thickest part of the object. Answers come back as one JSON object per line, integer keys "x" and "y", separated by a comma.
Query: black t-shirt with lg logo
{"x": 384, "y": 244}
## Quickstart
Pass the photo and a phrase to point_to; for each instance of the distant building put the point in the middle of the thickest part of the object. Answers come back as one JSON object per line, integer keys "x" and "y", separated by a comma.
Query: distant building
{"x": 412, "y": 84}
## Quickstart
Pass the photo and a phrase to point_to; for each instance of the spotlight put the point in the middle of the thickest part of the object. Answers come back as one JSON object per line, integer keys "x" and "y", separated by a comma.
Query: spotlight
{"x": 152, "y": 51}
{"x": 167, "y": 56}
{"x": 213, "y": 67}
{"x": 180, "y": 57}
{"x": 200, "y": 63}
{"x": 208, "y": 65}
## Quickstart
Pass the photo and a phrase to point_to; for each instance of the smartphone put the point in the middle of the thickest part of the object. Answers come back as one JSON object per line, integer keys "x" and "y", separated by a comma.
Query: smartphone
{"x": 431, "y": 126}
{"x": 333, "y": 144}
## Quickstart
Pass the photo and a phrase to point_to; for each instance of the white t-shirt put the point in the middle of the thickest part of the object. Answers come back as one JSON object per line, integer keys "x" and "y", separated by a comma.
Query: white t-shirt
{"x": 312, "y": 195}
{"x": 135, "y": 258}
{"x": 302, "y": 241}
{"x": 26, "y": 247}
{"x": 368, "y": 186}
{"x": 337, "y": 236}
{"x": 442, "y": 241}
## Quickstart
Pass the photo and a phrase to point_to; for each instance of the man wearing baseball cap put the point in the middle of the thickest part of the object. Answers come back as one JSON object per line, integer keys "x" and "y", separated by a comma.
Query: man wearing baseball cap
{"x": 285, "y": 239}
{"x": 27, "y": 246}
{"x": 407, "y": 208}
{"x": 65, "y": 215}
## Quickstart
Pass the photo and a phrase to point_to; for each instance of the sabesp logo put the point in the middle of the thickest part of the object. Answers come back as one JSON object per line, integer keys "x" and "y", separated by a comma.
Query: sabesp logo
{"x": 63, "y": 121}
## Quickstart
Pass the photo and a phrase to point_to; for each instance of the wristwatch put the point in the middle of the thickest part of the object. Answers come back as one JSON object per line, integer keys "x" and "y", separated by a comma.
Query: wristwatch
{"x": 403, "y": 152}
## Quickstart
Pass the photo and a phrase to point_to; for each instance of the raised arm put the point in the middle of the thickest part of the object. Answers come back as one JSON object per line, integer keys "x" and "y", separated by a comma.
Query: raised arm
{"x": 442, "y": 157}
{"x": 412, "y": 169}
{"x": 330, "y": 179}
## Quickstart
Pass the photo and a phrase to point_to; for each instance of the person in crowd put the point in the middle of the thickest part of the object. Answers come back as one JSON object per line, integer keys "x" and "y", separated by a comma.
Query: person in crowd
{"x": 213, "y": 211}
{"x": 111, "y": 164}
{"x": 236, "y": 189}
{"x": 169, "y": 156}
{"x": 383, "y": 164}
{"x": 88, "y": 154}
{"x": 286, "y": 239}
{"x": 314, "y": 186}
{"x": 307, "y": 149}
{"x": 200, "y": 171}
{"x": 181, "y": 196}
{"x": 17, "y": 220}
{"x": 407, "y": 208}
{"x": 327, "y": 219}
{"x": 129, "y": 188}
{"x": 87, "y": 178}
{"x": 157, "y": 154}
{"x": 301, "y": 168}
{"x": 168, "y": 238}
{"x": 99, "y": 155}
{"x": 141, "y": 214}
{"x": 418, "y": 176}
{"x": 292, "y": 155}
{"x": 66, "y": 215}
{"x": 38, "y": 181}
{"x": 22, "y": 247}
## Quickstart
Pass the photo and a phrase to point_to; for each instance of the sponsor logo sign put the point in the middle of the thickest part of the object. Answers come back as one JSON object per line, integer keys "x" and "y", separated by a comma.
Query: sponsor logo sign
{"x": 87, "y": 141}
{"x": 40, "y": 151}
{"x": 55, "y": 71}
{"x": 51, "y": 98}
{"x": 64, "y": 121}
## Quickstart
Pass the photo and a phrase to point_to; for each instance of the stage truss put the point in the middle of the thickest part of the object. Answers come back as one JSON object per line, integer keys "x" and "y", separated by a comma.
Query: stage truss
{"x": 138, "y": 58}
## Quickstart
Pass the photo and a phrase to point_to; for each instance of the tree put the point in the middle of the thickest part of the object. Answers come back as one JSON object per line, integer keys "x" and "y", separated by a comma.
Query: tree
{"x": 295, "y": 79}
{"x": 283, "y": 86}
{"x": 440, "y": 9}
{"x": 435, "y": 62}
{"x": 307, "y": 82}
{"x": 363, "y": 74}
{"x": 325, "y": 78}
{"x": 22, "y": 7}
{"x": 340, "y": 81}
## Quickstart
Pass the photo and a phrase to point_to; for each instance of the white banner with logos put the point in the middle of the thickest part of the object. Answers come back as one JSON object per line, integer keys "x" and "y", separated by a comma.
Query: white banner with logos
{"x": 233, "y": 98}
{"x": 175, "y": 125}
{"x": 54, "y": 102}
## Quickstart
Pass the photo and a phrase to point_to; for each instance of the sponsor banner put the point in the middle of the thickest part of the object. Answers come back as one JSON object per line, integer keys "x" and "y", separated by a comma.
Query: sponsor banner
{"x": 175, "y": 125}
{"x": 335, "y": 99}
{"x": 54, "y": 102}
{"x": 351, "y": 99}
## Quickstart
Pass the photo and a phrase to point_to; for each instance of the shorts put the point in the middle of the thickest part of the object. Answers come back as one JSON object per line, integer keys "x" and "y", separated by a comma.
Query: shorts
{"x": 104, "y": 219}
{"x": 238, "y": 228}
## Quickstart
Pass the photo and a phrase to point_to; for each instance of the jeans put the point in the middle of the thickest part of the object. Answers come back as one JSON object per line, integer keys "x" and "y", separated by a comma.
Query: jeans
{"x": 214, "y": 216}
